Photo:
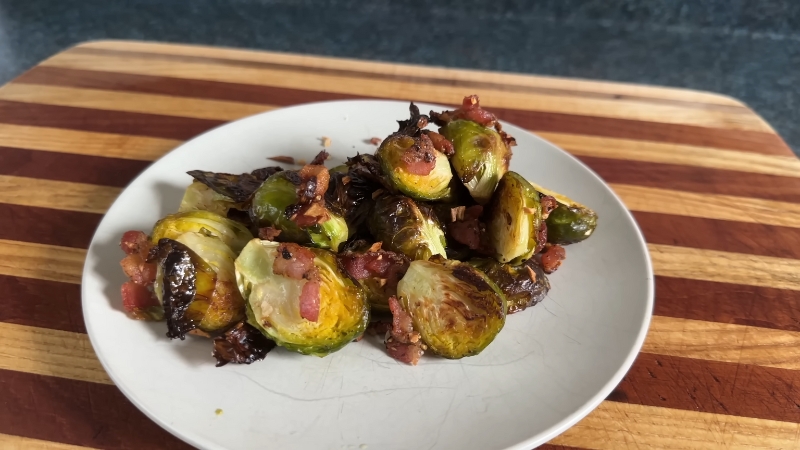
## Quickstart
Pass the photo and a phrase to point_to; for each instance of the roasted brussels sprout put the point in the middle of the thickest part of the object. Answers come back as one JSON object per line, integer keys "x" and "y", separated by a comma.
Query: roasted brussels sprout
{"x": 298, "y": 297}
{"x": 481, "y": 157}
{"x": 199, "y": 197}
{"x": 406, "y": 227}
{"x": 570, "y": 222}
{"x": 410, "y": 161}
{"x": 231, "y": 233}
{"x": 455, "y": 307}
{"x": 195, "y": 283}
{"x": 523, "y": 285}
{"x": 514, "y": 218}
{"x": 238, "y": 188}
{"x": 277, "y": 196}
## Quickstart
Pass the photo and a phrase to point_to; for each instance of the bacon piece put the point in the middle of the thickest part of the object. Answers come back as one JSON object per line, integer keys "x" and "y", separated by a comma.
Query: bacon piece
{"x": 541, "y": 237}
{"x": 375, "y": 141}
{"x": 138, "y": 302}
{"x": 320, "y": 158}
{"x": 440, "y": 143}
{"x": 467, "y": 228}
{"x": 294, "y": 261}
{"x": 134, "y": 241}
{"x": 309, "y": 301}
{"x": 404, "y": 343}
{"x": 268, "y": 233}
{"x": 309, "y": 214}
{"x": 470, "y": 110}
{"x": 138, "y": 270}
{"x": 420, "y": 158}
{"x": 380, "y": 264}
{"x": 549, "y": 203}
{"x": 314, "y": 180}
{"x": 552, "y": 257}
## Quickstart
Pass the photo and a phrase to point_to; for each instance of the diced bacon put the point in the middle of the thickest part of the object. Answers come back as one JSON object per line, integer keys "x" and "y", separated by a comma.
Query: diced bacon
{"x": 132, "y": 241}
{"x": 402, "y": 325}
{"x": 420, "y": 158}
{"x": 309, "y": 301}
{"x": 380, "y": 263}
{"x": 268, "y": 233}
{"x": 441, "y": 143}
{"x": 549, "y": 203}
{"x": 294, "y": 261}
{"x": 552, "y": 257}
{"x": 314, "y": 182}
{"x": 467, "y": 232}
{"x": 138, "y": 270}
{"x": 136, "y": 299}
{"x": 407, "y": 353}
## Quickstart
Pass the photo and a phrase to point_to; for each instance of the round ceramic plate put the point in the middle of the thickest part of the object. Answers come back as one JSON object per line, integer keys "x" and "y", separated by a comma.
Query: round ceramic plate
{"x": 549, "y": 367}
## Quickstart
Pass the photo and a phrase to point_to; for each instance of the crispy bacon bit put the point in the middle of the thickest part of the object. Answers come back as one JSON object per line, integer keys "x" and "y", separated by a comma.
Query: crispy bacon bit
{"x": 404, "y": 343}
{"x": 134, "y": 241}
{"x": 268, "y": 233}
{"x": 310, "y": 215}
{"x": 375, "y": 247}
{"x": 375, "y": 263}
{"x": 314, "y": 179}
{"x": 470, "y": 110}
{"x": 138, "y": 269}
{"x": 420, "y": 158}
{"x": 552, "y": 257}
{"x": 139, "y": 303}
{"x": 375, "y": 141}
{"x": 467, "y": 228}
{"x": 326, "y": 141}
{"x": 440, "y": 143}
{"x": 541, "y": 237}
{"x": 549, "y": 203}
{"x": 294, "y": 261}
{"x": 282, "y": 159}
{"x": 320, "y": 159}
{"x": 309, "y": 301}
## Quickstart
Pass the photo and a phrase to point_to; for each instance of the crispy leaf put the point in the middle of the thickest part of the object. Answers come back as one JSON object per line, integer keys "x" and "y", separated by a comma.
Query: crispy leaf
{"x": 178, "y": 284}
{"x": 238, "y": 187}
{"x": 242, "y": 344}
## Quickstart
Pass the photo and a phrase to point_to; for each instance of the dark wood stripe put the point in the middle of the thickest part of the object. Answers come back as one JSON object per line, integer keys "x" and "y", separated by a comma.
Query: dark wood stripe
{"x": 696, "y": 179}
{"x": 712, "y": 387}
{"x": 723, "y": 235}
{"x": 77, "y": 413}
{"x": 153, "y": 125}
{"x": 67, "y": 167}
{"x": 47, "y": 226}
{"x": 436, "y": 81}
{"x": 41, "y": 303}
{"x": 557, "y": 447}
{"x": 751, "y": 141}
{"x": 728, "y": 303}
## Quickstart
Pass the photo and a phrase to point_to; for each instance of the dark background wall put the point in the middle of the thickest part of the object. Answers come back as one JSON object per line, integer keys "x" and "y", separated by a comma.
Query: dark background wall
{"x": 748, "y": 49}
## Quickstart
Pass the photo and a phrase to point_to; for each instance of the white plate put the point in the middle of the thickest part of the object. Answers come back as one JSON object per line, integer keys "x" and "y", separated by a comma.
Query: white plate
{"x": 549, "y": 367}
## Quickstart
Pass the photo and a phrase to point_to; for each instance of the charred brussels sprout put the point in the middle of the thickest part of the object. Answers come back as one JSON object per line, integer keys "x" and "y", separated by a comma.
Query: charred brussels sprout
{"x": 406, "y": 227}
{"x": 377, "y": 271}
{"x": 515, "y": 216}
{"x": 524, "y": 285}
{"x": 195, "y": 282}
{"x": 457, "y": 309}
{"x": 298, "y": 297}
{"x": 231, "y": 233}
{"x": 481, "y": 157}
{"x": 570, "y": 222}
{"x": 415, "y": 168}
{"x": 269, "y": 209}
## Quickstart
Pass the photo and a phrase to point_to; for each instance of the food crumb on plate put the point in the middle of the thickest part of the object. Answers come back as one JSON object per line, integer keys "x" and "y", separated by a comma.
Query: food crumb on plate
{"x": 326, "y": 141}
{"x": 218, "y": 412}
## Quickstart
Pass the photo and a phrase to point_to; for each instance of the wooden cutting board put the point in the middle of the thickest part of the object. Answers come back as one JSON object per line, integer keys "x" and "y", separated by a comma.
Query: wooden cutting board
{"x": 715, "y": 190}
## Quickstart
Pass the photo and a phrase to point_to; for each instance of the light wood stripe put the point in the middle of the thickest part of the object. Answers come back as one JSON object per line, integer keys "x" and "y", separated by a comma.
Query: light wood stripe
{"x": 714, "y": 341}
{"x": 85, "y": 142}
{"x": 725, "y": 267}
{"x": 617, "y": 426}
{"x": 403, "y": 90}
{"x": 44, "y": 262}
{"x": 56, "y": 194}
{"x": 50, "y": 352}
{"x": 9, "y": 442}
{"x": 686, "y": 155}
{"x": 577, "y": 85}
{"x": 130, "y": 102}
{"x": 709, "y": 206}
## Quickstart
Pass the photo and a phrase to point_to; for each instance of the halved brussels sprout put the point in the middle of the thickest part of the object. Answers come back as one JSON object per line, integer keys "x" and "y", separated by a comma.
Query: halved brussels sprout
{"x": 195, "y": 284}
{"x": 231, "y": 233}
{"x": 199, "y": 197}
{"x": 269, "y": 209}
{"x": 455, "y": 307}
{"x": 275, "y": 302}
{"x": 570, "y": 222}
{"x": 515, "y": 216}
{"x": 406, "y": 227}
{"x": 524, "y": 285}
{"x": 414, "y": 167}
{"x": 481, "y": 157}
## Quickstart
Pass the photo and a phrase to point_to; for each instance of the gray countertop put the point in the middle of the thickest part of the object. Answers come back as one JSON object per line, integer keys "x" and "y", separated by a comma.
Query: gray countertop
{"x": 746, "y": 49}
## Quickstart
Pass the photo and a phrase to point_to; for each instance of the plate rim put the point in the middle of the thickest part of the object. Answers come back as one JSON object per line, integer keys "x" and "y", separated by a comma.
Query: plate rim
{"x": 536, "y": 440}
